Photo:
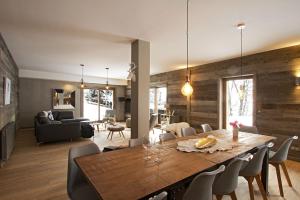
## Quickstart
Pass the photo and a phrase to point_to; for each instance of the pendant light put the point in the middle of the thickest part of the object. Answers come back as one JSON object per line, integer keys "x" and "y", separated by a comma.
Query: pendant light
{"x": 107, "y": 87}
{"x": 187, "y": 89}
{"x": 241, "y": 27}
{"x": 81, "y": 82}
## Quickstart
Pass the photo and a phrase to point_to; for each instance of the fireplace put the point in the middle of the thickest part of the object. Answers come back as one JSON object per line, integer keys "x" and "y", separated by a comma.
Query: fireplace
{"x": 7, "y": 141}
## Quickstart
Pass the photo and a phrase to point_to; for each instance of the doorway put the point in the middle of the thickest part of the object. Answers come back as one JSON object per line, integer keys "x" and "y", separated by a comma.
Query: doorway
{"x": 96, "y": 102}
{"x": 238, "y": 104}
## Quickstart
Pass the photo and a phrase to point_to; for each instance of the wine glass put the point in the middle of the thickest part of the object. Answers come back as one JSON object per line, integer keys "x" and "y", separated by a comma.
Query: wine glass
{"x": 147, "y": 144}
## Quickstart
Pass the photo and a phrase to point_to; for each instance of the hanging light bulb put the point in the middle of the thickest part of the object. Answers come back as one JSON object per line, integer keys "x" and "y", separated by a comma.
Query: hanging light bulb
{"x": 81, "y": 82}
{"x": 187, "y": 89}
{"x": 107, "y": 87}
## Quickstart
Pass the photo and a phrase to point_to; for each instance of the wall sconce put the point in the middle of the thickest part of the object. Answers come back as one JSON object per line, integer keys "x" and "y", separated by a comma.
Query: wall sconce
{"x": 297, "y": 81}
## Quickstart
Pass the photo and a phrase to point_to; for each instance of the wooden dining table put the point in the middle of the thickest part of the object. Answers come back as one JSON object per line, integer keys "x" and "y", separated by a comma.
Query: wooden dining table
{"x": 125, "y": 174}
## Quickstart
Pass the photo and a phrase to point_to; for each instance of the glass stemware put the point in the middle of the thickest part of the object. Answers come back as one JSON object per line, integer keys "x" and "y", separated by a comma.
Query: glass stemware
{"x": 147, "y": 144}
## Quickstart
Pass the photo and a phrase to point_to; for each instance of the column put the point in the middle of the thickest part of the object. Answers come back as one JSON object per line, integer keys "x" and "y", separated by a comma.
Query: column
{"x": 140, "y": 114}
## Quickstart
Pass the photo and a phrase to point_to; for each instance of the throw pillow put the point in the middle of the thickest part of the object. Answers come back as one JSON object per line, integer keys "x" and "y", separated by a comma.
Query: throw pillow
{"x": 50, "y": 116}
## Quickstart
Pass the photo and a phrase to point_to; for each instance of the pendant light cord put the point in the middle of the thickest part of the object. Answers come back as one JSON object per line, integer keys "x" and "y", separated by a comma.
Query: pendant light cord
{"x": 106, "y": 76}
{"x": 187, "y": 40}
{"x": 241, "y": 51}
{"x": 81, "y": 72}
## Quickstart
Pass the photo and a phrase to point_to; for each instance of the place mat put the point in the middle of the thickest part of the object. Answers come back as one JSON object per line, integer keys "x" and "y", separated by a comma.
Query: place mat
{"x": 221, "y": 145}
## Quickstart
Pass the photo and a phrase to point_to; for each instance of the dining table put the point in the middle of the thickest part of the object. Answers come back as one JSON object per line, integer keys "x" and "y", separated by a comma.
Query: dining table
{"x": 125, "y": 174}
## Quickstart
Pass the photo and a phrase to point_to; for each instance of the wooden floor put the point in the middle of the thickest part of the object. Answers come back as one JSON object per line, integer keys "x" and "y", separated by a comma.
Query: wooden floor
{"x": 39, "y": 172}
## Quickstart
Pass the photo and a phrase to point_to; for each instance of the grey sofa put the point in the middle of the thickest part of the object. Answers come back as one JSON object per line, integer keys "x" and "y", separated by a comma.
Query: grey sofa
{"x": 63, "y": 127}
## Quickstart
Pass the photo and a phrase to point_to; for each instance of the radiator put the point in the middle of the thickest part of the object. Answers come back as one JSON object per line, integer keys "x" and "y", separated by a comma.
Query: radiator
{"x": 7, "y": 141}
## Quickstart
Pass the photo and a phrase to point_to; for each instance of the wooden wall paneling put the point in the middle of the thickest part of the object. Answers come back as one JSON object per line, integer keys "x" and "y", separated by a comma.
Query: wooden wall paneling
{"x": 277, "y": 101}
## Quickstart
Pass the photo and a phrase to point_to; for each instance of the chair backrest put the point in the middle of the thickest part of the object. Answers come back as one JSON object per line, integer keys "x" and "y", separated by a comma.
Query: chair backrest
{"x": 249, "y": 129}
{"x": 161, "y": 196}
{"x": 201, "y": 186}
{"x": 136, "y": 142}
{"x": 153, "y": 119}
{"x": 282, "y": 152}
{"x": 75, "y": 177}
{"x": 254, "y": 166}
{"x": 188, "y": 131}
{"x": 109, "y": 113}
{"x": 227, "y": 181}
{"x": 206, "y": 127}
{"x": 166, "y": 136}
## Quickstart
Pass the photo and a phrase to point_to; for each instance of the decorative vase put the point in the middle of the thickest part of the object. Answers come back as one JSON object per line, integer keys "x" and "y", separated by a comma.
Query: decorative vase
{"x": 235, "y": 133}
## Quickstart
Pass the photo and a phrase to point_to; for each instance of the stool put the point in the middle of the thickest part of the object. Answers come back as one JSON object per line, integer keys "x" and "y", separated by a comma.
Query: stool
{"x": 115, "y": 128}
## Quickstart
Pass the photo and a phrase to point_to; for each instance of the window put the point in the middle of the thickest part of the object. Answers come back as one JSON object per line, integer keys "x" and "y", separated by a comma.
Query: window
{"x": 96, "y": 102}
{"x": 157, "y": 99}
{"x": 239, "y": 101}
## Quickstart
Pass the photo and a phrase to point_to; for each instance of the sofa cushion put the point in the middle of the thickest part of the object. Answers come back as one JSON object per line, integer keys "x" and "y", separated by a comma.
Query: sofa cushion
{"x": 54, "y": 122}
{"x": 43, "y": 120}
{"x": 65, "y": 115}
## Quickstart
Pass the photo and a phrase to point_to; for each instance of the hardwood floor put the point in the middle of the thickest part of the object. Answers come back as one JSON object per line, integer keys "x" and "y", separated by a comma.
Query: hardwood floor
{"x": 39, "y": 172}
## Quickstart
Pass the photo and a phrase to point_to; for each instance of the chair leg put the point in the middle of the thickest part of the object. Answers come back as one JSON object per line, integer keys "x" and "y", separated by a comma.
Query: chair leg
{"x": 108, "y": 134}
{"x": 261, "y": 187}
{"x": 250, "y": 180}
{"x": 286, "y": 174}
{"x": 219, "y": 197}
{"x": 123, "y": 134}
{"x": 279, "y": 178}
{"x": 112, "y": 133}
{"x": 233, "y": 195}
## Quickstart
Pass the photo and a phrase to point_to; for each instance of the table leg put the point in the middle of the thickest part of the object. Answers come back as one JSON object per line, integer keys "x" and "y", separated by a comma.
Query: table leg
{"x": 112, "y": 132}
{"x": 123, "y": 134}
{"x": 265, "y": 172}
{"x": 108, "y": 134}
{"x": 98, "y": 127}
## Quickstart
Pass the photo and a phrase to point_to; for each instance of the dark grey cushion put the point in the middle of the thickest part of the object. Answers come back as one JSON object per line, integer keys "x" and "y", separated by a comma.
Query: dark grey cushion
{"x": 43, "y": 120}
{"x": 65, "y": 115}
{"x": 54, "y": 122}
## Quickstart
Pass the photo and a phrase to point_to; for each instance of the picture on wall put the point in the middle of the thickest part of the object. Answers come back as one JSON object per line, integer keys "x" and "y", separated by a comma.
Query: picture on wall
{"x": 7, "y": 90}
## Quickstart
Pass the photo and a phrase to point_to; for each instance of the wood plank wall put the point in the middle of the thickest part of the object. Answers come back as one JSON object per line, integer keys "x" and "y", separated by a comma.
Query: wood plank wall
{"x": 277, "y": 98}
{"x": 9, "y": 69}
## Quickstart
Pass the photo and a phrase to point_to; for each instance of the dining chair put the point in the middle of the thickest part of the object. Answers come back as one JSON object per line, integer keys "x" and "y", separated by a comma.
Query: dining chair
{"x": 252, "y": 170}
{"x": 77, "y": 186}
{"x": 226, "y": 182}
{"x": 136, "y": 142}
{"x": 201, "y": 186}
{"x": 152, "y": 122}
{"x": 189, "y": 131}
{"x": 248, "y": 129}
{"x": 278, "y": 159}
{"x": 166, "y": 136}
{"x": 161, "y": 196}
{"x": 206, "y": 127}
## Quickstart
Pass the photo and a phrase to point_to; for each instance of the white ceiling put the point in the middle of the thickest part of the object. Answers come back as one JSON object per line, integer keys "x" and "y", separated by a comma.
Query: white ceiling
{"x": 57, "y": 35}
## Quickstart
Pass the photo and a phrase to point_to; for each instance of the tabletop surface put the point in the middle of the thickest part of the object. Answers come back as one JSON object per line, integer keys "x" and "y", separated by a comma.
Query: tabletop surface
{"x": 124, "y": 174}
